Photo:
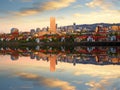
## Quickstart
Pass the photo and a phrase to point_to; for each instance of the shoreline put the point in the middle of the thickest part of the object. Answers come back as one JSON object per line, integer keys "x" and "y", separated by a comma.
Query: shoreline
{"x": 55, "y": 44}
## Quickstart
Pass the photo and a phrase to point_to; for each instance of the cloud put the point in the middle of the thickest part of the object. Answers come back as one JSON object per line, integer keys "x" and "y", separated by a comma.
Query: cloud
{"x": 108, "y": 12}
{"x": 103, "y": 4}
{"x": 49, "y": 82}
{"x": 101, "y": 16}
{"x": 46, "y": 6}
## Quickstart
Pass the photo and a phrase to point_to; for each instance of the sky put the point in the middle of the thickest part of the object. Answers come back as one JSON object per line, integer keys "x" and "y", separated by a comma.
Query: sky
{"x": 31, "y": 14}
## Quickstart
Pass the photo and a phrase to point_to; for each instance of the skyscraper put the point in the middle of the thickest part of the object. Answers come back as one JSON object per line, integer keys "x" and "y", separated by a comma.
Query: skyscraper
{"x": 52, "y": 25}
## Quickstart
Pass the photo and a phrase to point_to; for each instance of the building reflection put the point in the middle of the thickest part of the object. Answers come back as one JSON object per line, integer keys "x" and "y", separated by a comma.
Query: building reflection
{"x": 83, "y": 55}
{"x": 53, "y": 60}
{"x": 14, "y": 56}
{"x": 32, "y": 55}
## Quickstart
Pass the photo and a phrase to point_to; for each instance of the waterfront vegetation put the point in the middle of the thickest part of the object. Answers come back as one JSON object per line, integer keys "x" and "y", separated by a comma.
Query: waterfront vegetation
{"x": 52, "y": 39}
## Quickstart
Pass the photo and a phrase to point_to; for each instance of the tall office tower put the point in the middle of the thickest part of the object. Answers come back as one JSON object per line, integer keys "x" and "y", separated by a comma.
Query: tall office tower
{"x": 52, "y": 25}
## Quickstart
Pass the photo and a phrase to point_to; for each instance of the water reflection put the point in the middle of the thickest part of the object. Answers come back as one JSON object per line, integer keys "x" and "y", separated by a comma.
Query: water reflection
{"x": 60, "y": 68}
{"x": 75, "y": 55}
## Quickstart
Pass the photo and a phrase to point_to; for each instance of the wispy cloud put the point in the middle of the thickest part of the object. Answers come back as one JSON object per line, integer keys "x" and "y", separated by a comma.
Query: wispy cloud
{"x": 38, "y": 8}
{"x": 101, "y": 16}
{"x": 49, "y": 82}
{"x": 103, "y": 4}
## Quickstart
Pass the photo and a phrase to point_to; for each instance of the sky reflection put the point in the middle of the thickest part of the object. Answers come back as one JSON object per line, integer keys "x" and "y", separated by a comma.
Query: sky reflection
{"x": 30, "y": 74}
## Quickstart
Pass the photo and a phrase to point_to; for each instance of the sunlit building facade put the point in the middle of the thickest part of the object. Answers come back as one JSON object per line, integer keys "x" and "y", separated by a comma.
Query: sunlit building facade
{"x": 115, "y": 27}
{"x": 52, "y": 25}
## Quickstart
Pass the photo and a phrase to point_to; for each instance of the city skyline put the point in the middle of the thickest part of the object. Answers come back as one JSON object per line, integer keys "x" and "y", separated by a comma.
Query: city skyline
{"x": 28, "y": 14}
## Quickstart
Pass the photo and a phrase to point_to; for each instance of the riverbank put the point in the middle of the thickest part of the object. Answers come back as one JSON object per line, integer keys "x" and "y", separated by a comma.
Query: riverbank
{"x": 14, "y": 44}
{"x": 83, "y": 44}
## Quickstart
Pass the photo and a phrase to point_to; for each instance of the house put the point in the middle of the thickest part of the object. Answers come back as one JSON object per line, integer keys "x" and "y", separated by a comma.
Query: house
{"x": 90, "y": 39}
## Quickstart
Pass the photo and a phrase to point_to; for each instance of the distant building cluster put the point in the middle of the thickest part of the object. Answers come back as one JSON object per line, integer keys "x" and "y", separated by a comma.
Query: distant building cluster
{"x": 94, "y": 32}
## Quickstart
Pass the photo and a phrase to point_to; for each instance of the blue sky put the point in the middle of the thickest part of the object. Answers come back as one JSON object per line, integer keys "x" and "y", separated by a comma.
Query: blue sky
{"x": 27, "y": 14}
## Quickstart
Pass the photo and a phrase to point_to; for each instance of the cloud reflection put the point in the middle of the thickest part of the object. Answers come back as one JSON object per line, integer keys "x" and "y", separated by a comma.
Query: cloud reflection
{"x": 106, "y": 72}
{"x": 98, "y": 85}
{"x": 48, "y": 82}
{"x": 109, "y": 76}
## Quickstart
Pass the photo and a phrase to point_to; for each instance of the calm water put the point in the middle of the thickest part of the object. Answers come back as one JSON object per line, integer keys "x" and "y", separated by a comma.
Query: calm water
{"x": 63, "y": 68}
